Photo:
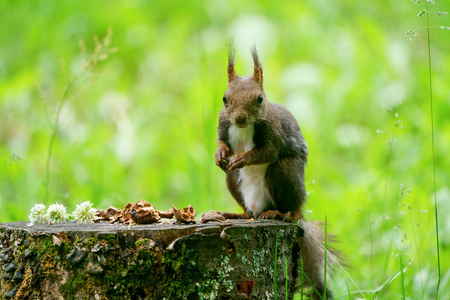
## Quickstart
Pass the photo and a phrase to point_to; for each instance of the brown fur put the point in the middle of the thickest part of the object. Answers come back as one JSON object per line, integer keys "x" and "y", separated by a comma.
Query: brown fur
{"x": 279, "y": 143}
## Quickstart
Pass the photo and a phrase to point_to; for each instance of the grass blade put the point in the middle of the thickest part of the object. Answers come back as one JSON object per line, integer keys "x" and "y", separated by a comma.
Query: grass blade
{"x": 325, "y": 263}
{"x": 275, "y": 269}
{"x": 286, "y": 276}
{"x": 301, "y": 277}
{"x": 417, "y": 254}
{"x": 434, "y": 160}
{"x": 381, "y": 287}
{"x": 402, "y": 278}
{"x": 311, "y": 284}
{"x": 55, "y": 131}
{"x": 348, "y": 292}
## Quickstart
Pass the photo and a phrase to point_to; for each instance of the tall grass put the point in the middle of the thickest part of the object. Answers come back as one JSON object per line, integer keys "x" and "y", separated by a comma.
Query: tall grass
{"x": 275, "y": 268}
{"x": 402, "y": 278}
{"x": 426, "y": 13}
{"x": 325, "y": 261}
{"x": 54, "y": 130}
{"x": 101, "y": 51}
{"x": 432, "y": 147}
{"x": 286, "y": 276}
{"x": 301, "y": 277}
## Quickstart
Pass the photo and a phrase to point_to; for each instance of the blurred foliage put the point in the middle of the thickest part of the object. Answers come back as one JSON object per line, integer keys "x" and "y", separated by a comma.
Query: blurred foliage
{"x": 142, "y": 123}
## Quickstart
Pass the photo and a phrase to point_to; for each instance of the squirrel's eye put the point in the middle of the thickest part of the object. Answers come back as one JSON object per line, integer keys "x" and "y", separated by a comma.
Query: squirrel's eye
{"x": 224, "y": 100}
{"x": 260, "y": 99}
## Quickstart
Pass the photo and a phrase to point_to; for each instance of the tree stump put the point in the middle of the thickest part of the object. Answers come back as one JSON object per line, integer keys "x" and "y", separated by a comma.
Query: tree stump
{"x": 217, "y": 260}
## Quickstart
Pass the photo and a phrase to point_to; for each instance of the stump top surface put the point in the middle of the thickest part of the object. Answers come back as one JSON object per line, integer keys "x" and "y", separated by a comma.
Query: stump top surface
{"x": 105, "y": 226}
{"x": 162, "y": 234}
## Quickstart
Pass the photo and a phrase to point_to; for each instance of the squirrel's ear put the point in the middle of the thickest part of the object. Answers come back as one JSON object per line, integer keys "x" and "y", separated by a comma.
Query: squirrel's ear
{"x": 230, "y": 70}
{"x": 258, "y": 72}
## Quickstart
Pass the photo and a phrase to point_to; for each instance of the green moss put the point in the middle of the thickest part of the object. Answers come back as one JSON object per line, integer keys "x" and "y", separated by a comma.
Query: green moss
{"x": 110, "y": 239}
{"x": 46, "y": 251}
{"x": 73, "y": 284}
{"x": 129, "y": 274}
{"x": 142, "y": 242}
{"x": 173, "y": 261}
{"x": 90, "y": 241}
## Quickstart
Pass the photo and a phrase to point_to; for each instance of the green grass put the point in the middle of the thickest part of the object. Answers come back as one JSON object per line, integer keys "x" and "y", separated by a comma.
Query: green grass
{"x": 99, "y": 53}
{"x": 142, "y": 123}
{"x": 275, "y": 268}
{"x": 53, "y": 134}
{"x": 301, "y": 278}
{"x": 286, "y": 276}
{"x": 325, "y": 260}
{"x": 430, "y": 74}
{"x": 402, "y": 278}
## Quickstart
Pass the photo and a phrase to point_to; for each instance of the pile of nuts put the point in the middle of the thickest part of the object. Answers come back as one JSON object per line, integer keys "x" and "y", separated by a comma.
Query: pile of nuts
{"x": 143, "y": 212}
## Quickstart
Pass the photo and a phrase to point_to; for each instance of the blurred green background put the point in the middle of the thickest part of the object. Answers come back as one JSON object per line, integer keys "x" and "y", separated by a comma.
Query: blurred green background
{"x": 141, "y": 124}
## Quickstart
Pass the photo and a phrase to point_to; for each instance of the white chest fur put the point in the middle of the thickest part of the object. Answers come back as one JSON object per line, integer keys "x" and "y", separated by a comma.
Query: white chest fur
{"x": 251, "y": 178}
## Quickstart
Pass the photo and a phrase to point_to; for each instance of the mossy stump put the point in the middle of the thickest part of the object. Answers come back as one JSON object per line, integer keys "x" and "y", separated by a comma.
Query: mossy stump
{"x": 217, "y": 260}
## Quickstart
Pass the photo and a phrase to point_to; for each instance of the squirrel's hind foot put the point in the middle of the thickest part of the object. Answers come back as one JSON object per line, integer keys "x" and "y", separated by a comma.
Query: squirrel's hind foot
{"x": 276, "y": 215}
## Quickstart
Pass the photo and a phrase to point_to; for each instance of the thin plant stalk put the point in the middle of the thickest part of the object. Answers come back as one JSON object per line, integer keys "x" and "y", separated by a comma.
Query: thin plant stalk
{"x": 379, "y": 289}
{"x": 369, "y": 220}
{"x": 388, "y": 167}
{"x": 325, "y": 263}
{"x": 312, "y": 285}
{"x": 434, "y": 160}
{"x": 348, "y": 292}
{"x": 301, "y": 277}
{"x": 402, "y": 278}
{"x": 55, "y": 131}
{"x": 387, "y": 257}
{"x": 275, "y": 269}
{"x": 100, "y": 52}
{"x": 417, "y": 251}
{"x": 286, "y": 276}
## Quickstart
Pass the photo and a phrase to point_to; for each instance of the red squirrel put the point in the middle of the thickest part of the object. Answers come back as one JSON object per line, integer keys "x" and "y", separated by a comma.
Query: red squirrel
{"x": 263, "y": 153}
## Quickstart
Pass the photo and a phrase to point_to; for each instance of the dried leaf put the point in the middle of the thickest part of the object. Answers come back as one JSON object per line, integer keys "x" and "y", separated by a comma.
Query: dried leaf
{"x": 186, "y": 216}
{"x": 145, "y": 215}
{"x": 166, "y": 214}
{"x": 143, "y": 203}
{"x": 106, "y": 214}
{"x": 60, "y": 237}
{"x": 212, "y": 216}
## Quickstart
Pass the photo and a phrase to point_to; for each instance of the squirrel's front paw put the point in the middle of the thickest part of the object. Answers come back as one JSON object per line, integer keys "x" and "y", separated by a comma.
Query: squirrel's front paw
{"x": 239, "y": 161}
{"x": 222, "y": 158}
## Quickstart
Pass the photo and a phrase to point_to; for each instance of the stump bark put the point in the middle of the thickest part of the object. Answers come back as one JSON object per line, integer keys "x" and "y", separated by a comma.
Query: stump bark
{"x": 217, "y": 260}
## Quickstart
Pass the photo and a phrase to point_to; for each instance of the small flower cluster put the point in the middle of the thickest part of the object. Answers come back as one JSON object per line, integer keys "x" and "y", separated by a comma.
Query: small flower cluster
{"x": 56, "y": 213}
{"x": 37, "y": 214}
{"x": 84, "y": 213}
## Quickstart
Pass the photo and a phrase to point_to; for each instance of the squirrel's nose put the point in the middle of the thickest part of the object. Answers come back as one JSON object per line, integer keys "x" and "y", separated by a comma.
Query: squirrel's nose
{"x": 240, "y": 119}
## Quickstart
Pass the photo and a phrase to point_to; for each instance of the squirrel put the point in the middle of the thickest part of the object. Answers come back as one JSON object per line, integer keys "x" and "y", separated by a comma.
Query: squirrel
{"x": 263, "y": 153}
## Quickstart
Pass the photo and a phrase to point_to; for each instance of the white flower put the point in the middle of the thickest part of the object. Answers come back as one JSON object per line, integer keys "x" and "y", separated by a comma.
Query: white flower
{"x": 84, "y": 213}
{"x": 56, "y": 213}
{"x": 37, "y": 214}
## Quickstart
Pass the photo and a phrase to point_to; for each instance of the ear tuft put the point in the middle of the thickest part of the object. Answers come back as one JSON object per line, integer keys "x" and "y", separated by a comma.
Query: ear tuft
{"x": 258, "y": 72}
{"x": 231, "y": 54}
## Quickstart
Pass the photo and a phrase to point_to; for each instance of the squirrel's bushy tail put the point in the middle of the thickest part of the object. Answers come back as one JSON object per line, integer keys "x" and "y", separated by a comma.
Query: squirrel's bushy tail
{"x": 312, "y": 252}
